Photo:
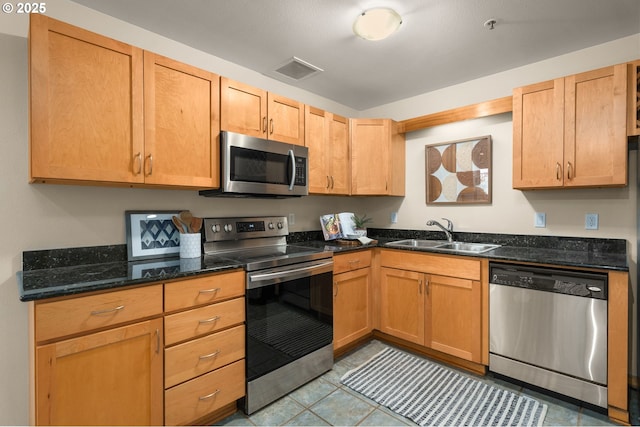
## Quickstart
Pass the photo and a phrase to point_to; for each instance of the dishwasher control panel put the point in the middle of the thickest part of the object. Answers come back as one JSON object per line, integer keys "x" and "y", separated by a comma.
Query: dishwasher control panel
{"x": 558, "y": 280}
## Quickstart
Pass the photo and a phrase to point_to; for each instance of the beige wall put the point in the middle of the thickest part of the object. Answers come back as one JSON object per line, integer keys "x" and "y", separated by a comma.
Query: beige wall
{"x": 52, "y": 216}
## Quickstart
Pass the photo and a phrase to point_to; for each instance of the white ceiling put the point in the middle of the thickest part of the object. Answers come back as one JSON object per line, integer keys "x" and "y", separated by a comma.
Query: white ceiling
{"x": 440, "y": 42}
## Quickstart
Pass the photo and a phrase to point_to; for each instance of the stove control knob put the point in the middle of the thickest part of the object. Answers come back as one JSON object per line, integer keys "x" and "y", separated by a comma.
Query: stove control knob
{"x": 228, "y": 228}
{"x": 271, "y": 226}
{"x": 280, "y": 225}
{"x": 215, "y": 228}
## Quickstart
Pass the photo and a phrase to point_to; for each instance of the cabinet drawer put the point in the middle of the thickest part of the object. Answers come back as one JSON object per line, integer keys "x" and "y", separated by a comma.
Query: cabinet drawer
{"x": 444, "y": 265}
{"x": 203, "y": 290}
{"x": 196, "y": 398}
{"x": 82, "y": 314}
{"x": 351, "y": 261}
{"x": 199, "y": 321}
{"x": 188, "y": 360}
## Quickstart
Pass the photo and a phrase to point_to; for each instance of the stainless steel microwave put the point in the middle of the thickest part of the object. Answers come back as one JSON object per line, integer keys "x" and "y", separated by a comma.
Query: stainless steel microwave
{"x": 251, "y": 166}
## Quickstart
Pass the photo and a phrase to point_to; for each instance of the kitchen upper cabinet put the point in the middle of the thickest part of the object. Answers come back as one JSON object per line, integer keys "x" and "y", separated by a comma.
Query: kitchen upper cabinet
{"x": 86, "y": 105}
{"x": 107, "y": 112}
{"x": 327, "y": 137}
{"x": 633, "y": 106}
{"x": 352, "y": 316}
{"x": 251, "y": 111}
{"x": 182, "y": 124}
{"x": 572, "y": 131}
{"x": 377, "y": 158}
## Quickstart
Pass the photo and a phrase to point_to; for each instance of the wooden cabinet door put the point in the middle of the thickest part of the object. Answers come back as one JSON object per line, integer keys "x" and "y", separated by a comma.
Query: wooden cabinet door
{"x": 339, "y": 160}
{"x": 402, "y": 304}
{"x": 595, "y": 128}
{"x": 286, "y": 119}
{"x": 327, "y": 138}
{"x": 182, "y": 106}
{"x": 351, "y": 308}
{"x": 370, "y": 143}
{"x": 538, "y": 135}
{"x": 316, "y": 141}
{"x": 243, "y": 108}
{"x": 112, "y": 377}
{"x": 453, "y": 317}
{"x": 85, "y": 105}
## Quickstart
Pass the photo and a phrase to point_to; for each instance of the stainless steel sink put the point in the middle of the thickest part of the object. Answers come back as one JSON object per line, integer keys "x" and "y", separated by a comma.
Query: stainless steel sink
{"x": 416, "y": 243}
{"x": 443, "y": 245}
{"x": 475, "y": 248}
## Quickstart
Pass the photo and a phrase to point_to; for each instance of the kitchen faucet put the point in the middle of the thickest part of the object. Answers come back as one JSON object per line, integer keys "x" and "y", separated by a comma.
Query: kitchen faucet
{"x": 448, "y": 230}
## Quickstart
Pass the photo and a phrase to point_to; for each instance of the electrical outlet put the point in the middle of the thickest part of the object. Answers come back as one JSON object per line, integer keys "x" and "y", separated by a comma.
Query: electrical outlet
{"x": 540, "y": 220}
{"x": 394, "y": 217}
{"x": 292, "y": 219}
{"x": 591, "y": 221}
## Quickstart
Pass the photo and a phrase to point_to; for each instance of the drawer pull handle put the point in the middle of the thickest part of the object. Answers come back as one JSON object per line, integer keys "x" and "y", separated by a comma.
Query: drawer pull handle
{"x": 354, "y": 262}
{"x": 210, "y": 320}
{"x": 209, "y": 291}
{"x": 209, "y": 396}
{"x": 107, "y": 311}
{"x": 210, "y": 355}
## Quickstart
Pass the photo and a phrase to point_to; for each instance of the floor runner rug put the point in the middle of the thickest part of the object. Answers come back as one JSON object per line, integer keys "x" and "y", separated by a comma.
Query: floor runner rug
{"x": 430, "y": 394}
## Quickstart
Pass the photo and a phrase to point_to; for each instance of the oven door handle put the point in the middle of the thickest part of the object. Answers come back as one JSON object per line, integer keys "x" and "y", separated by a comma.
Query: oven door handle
{"x": 289, "y": 274}
{"x": 292, "y": 180}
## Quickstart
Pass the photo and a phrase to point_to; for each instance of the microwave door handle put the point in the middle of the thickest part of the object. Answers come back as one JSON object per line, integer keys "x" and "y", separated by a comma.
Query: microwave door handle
{"x": 292, "y": 180}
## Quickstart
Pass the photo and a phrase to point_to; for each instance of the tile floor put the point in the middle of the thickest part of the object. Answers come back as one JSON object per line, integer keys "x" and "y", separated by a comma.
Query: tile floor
{"x": 325, "y": 401}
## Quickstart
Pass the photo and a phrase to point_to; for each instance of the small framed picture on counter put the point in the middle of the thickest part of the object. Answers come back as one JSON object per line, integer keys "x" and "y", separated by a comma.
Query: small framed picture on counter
{"x": 151, "y": 235}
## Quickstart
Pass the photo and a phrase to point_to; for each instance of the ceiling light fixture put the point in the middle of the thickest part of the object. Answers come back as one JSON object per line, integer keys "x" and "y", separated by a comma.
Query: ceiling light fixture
{"x": 377, "y": 24}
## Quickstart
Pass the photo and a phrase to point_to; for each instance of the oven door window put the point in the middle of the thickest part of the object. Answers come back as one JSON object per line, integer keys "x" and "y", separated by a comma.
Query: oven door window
{"x": 286, "y": 321}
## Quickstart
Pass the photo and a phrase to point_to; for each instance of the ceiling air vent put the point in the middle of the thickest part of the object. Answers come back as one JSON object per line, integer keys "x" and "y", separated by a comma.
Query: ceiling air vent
{"x": 296, "y": 69}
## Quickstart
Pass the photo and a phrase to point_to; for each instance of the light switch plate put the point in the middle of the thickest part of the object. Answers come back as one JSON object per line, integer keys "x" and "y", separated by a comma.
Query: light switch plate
{"x": 540, "y": 220}
{"x": 394, "y": 217}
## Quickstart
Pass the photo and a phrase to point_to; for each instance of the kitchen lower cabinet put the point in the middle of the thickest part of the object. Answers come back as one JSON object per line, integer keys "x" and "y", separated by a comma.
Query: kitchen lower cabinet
{"x": 435, "y": 301}
{"x": 453, "y": 318}
{"x": 402, "y": 304}
{"x": 571, "y": 131}
{"x": 169, "y": 353}
{"x": 93, "y": 365}
{"x": 352, "y": 317}
{"x": 205, "y": 346}
{"x": 105, "y": 378}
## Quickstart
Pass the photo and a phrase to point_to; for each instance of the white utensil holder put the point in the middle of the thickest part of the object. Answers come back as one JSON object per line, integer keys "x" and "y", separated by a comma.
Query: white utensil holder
{"x": 190, "y": 245}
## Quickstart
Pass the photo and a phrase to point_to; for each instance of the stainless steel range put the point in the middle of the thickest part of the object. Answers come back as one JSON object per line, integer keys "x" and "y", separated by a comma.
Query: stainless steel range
{"x": 289, "y": 304}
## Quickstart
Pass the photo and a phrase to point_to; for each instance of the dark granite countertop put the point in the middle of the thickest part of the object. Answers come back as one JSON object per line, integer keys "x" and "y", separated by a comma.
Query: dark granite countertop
{"x": 606, "y": 254}
{"x": 62, "y": 272}
{"x": 74, "y": 279}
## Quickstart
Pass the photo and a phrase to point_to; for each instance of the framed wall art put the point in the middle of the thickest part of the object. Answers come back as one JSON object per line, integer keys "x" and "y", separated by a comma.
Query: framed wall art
{"x": 151, "y": 235}
{"x": 459, "y": 172}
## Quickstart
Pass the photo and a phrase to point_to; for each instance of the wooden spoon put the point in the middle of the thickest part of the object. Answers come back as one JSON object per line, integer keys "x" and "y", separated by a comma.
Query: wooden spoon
{"x": 196, "y": 224}
{"x": 185, "y": 218}
{"x": 178, "y": 224}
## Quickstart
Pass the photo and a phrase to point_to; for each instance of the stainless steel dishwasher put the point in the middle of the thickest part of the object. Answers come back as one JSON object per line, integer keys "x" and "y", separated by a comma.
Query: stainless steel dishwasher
{"x": 548, "y": 327}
